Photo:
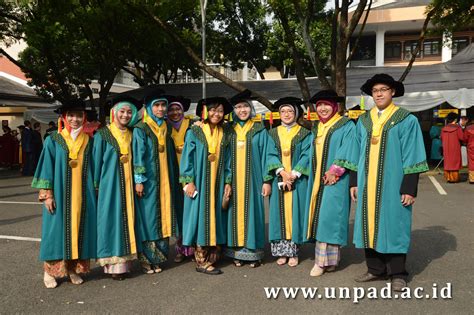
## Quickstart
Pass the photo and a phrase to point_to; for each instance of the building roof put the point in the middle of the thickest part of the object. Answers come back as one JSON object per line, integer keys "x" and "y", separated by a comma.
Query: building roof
{"x": 16, "y": 94}
{"x": 451, "y": 75}
{"x": 402, "y": 4}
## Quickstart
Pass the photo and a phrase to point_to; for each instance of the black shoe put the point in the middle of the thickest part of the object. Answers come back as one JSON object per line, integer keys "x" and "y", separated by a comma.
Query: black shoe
{"x": 366, "y": 277}
{"x": 206, "y": 271}
{"x": 398, "y": 284}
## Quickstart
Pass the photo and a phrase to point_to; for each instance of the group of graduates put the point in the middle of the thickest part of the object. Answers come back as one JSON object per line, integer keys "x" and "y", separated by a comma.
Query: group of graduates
{"x": 123, "y": 193}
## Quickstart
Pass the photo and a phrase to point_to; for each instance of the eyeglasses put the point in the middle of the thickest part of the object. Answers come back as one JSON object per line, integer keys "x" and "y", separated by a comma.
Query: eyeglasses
{"x": 284, "y": 112}
{"x": 216, "y": 111}
{"x": 383, "y": 90}
{"x": 238, "y": 107}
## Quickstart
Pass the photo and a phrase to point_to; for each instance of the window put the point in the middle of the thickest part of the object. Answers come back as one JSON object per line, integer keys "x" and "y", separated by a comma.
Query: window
{"x": 409, "y": 48}
{"x": 459, "y": 44}
{"x": 432, "y": 47}
{"x": 393, "y": 50}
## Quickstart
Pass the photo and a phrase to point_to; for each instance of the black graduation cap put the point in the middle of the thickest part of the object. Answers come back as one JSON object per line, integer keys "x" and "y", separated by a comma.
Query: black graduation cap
{"x": 186, "y": 102}
{"x": 213, "y": 100}
{"x": 129, "y": 99}
{"x": 328, "y": 95}
{"x": 244, "y": 96}
{"x": 77, "y": 105}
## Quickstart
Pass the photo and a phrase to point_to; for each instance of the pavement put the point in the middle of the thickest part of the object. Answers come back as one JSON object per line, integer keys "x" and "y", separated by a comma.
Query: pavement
{"x": 442, "y": 252}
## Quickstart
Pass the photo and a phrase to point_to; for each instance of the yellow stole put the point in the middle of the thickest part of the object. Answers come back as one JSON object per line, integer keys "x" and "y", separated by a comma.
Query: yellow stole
{"x": 377, "y": 126}
{"x": 178, "y": 137}
{"x": 165, "y": 189}
{"x": 321, "y": 135}
{"x": 124, "y": 140}
{"x": 286, "y": 137}
{"x": 76, "y": 152}
{"x": 241, "y": 157}
{"x": 214, "y": 140}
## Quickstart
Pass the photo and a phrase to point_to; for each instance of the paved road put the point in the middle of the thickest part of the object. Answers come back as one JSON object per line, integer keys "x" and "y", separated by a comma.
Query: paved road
{"x": 442, "y": 251}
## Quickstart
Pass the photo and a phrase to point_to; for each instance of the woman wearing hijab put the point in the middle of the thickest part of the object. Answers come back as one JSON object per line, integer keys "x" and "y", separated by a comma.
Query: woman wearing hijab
{"x": 180, "y": 125}
{"x": 64, "y": 177}
{"x": 328, "y": 202}
{"x": 287, "y": 202}
{"x": 255, "y": 159}
{"x": 206, "y": 176}
{"x": 156, "y": 174}
{"x": 113, "y": 178}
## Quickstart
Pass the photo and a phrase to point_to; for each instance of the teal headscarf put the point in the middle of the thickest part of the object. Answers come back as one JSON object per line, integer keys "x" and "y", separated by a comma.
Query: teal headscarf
{"x": 120, "y": 105}
{"x": 149, "y": 105}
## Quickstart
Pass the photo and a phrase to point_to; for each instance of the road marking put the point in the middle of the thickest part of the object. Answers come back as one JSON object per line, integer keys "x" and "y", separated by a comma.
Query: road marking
{"x": 438, "y": 186}
{"x": 20, "y": 238}
{"x": 22, "y": 202}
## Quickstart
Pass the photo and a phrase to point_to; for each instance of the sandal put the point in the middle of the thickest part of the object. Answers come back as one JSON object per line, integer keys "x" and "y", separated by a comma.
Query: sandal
{"x": 281, "y": 261}
{"x": 179, "y": 258}
{"x": 293, "y": 262}
{"x": 213, "y": 272}
{"x": 157, "y": 269}
{"x": 75, "y": 278}
{"x": 147, "y": 269}
{"x": 237, "y": 263}
{"x": 255, "y": 264}
{"x": 49, "y": 281}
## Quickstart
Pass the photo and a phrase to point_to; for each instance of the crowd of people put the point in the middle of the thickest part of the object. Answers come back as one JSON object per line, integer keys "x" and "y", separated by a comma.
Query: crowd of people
{"x": 120, "y": 195}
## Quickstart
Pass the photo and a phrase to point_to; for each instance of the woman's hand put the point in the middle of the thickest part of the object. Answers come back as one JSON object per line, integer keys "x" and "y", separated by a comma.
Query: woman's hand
{"x": 227, "y": 191}
{"x": 50, "y": 204}
{"x": 190, "y": 189}
{"x": 198, "y": 123}
{"x": 139, "y": 188}
{"x": 266, "y": 190}
{"x": 353, "y": 191}
{"x": 330, "y": 178}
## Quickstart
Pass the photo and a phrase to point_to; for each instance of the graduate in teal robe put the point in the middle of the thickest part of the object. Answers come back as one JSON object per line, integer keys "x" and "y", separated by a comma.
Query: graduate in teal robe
{"x": 389, "y": 154}
{"x": 255, "y": 160}
{"x": 206, "y": 175}
{"x": 328, "y": 202}
{"x": 113, "y": 178}
{"x": 159, "y": 204}
{"x": 64, "y": 177}
{"x": 287, "y": 201}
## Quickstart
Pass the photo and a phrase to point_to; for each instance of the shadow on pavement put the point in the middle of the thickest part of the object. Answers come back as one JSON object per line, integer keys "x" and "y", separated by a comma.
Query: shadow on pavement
{"x": 20, "y": 219}
{"x": 429, "y": 244}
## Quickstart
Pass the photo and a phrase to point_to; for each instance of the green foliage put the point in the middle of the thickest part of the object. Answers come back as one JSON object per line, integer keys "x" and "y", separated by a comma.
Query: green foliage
{"x": 452, "y": 15}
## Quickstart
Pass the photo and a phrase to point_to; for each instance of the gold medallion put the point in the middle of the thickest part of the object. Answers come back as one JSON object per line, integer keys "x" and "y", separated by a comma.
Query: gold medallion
{"x": 161, "y": 148}
{"x": 73, "y": 163}
{"x": 211, "y": 157}
{"x": 179, "y": 149}
{"x": 286, "y": 152}
{"x": 374, "y": 140}
{"x": 240, "y": 144}
{"x": 124, "y": 158}
{"x": 319, "y": 140}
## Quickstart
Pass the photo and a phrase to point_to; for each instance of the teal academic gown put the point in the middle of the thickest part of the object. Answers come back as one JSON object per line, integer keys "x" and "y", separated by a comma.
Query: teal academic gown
{"x": 195, "y": 168}
{"x": 300, "y": 162}
{"x": 330, "y": 220}
{"x": 402, "y": 153}
{"x": 147, "y": 163}
{"x": 262, "y": 162}
{"x": 435, "y": 135}
{"x": 113, "y": 237}
{"x": 53, "y": 172}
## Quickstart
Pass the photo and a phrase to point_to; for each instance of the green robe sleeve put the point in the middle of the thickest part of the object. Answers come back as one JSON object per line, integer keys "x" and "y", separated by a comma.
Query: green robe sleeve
{"x": 304, "y": 160}
{"x": 270, "y": 158}
{"x": 344, "y": 151}
{"x": 97, "y": 158}
{"x": 139, "y": 151}
{"x": 354, "y": 148}
{"x": 412, "y": 147}
{"x": 227, "y": 165}
{"x": 44, "y": 174}
{"x": 187, "y": 172}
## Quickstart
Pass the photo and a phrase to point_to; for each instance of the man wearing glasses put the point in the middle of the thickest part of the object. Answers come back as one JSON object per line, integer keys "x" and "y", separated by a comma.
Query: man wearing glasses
{"x": 389, "y": 154}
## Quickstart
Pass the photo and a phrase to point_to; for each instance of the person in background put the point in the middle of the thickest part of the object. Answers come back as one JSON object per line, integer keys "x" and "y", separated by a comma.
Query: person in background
{"x": 50, "y": 130}
{"x": 37, "y": 141}
{"x": 28, "y": 150}
{"x": 469, "y": 139}
{"x": 436, "y": 145}
{"x": 451, "y": 138}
